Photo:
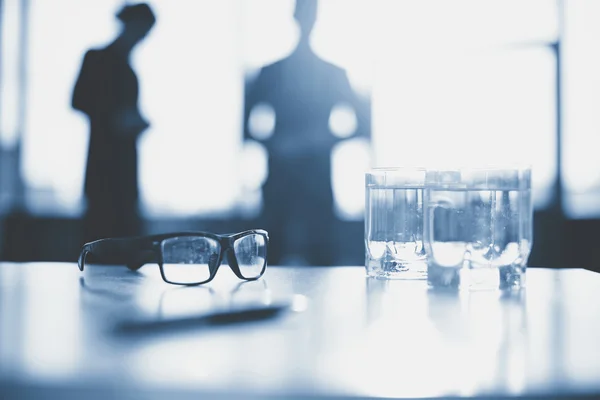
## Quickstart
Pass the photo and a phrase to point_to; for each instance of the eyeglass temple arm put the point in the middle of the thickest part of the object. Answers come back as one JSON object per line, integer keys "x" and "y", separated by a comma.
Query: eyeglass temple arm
{"x": 134, "y": 252}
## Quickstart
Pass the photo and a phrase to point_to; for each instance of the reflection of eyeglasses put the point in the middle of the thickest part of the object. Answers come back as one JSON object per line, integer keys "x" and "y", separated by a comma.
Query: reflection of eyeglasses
{"x": 188, "y": 258}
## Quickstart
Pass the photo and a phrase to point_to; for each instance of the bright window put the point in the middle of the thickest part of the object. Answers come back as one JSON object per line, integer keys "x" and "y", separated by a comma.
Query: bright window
{"x": 581, "y": 123}
{"x": 467, "y": 82}
{"x": 55, "y": 137}
{"x": 450, "y": 82}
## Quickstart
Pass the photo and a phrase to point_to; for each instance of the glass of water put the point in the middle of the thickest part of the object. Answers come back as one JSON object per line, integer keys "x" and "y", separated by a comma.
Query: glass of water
{"x": 394, "y": 223}
{"x": 478, "y": 228}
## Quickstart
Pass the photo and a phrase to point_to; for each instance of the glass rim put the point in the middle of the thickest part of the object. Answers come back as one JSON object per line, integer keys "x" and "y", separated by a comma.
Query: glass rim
{"x": 399, "y": 168}
{"x": 450, "y": 168}
{"x": 491, "y": 168}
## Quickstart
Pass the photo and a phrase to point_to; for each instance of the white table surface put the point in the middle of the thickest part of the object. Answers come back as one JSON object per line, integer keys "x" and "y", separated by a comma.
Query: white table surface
{"x": 358, "y": 337}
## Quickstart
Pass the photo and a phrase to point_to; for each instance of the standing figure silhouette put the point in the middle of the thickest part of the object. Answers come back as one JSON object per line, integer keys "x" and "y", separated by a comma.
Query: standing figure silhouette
{"x": 302, "y": 90}
{"x": 107, "y": 92}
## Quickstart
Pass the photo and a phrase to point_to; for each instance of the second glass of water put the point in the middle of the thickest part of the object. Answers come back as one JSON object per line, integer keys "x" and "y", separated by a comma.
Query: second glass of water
{"x": 394, "y": 223}
{"x": 478, "y": 227}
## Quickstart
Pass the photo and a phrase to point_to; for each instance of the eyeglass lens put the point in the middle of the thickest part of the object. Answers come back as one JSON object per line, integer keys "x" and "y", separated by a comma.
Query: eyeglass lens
{"x": 250, "y": 252}
{"x": 186, "y": 259}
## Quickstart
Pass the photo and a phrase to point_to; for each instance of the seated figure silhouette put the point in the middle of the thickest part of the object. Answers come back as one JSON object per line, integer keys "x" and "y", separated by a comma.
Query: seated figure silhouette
{"x": 298, "y": 203}
{"x": 107, "y": 92}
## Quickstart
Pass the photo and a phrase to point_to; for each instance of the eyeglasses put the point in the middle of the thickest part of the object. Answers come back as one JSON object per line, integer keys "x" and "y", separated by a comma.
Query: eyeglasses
{"x": 188, "y": 258}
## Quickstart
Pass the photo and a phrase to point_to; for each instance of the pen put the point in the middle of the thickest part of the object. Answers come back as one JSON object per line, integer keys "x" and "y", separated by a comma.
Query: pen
{"x": 216, "y": 318}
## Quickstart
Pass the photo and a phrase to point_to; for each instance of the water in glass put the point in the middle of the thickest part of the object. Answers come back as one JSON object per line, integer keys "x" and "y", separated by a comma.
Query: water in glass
{"x": 394, "y": 232}
{"x": 478, "y": 237}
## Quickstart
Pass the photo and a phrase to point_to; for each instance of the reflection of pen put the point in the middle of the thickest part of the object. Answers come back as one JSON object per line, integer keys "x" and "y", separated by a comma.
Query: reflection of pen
{"x": 216, "y": 318}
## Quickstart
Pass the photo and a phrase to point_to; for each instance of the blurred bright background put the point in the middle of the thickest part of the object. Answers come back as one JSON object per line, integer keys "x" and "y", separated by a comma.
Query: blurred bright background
{"x": 450, "y": 82}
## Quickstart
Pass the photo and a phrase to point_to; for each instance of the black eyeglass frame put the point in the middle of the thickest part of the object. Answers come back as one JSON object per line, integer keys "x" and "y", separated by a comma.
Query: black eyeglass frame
{"x": 140, "y": 250}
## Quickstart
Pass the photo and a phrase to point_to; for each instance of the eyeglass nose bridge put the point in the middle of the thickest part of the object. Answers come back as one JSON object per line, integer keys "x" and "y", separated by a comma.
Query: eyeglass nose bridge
{"x": 214, "y": 260}
{"x": 233, "y": 263}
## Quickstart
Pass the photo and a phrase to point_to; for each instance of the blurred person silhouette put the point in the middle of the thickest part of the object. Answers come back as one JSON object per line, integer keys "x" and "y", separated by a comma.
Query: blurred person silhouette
{"x": 107, "y": 92}
{"x": 298, "y": 203}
